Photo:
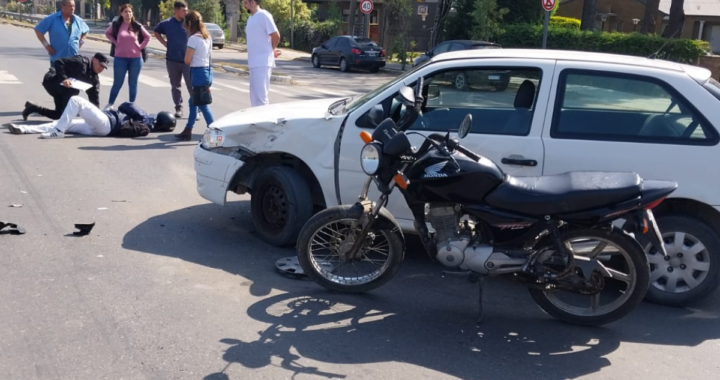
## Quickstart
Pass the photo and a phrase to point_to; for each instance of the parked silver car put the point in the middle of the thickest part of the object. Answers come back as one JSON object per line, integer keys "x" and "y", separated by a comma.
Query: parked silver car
{"x": 217, "y": 34}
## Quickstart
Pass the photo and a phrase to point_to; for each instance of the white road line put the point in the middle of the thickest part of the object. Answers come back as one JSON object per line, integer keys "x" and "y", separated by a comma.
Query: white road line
{"x": 230, "y": 86}
{"x": 144, "y": 79}
{"x": 7, "y": 78}
{"x": 105, "y": 81}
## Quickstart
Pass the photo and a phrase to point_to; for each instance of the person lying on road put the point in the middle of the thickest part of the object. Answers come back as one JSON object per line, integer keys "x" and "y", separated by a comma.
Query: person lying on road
{"x": 127, "y": 121}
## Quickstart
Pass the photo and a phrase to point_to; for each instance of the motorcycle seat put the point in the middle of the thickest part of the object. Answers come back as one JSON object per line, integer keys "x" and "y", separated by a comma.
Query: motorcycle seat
{"x": 564, "y": 193}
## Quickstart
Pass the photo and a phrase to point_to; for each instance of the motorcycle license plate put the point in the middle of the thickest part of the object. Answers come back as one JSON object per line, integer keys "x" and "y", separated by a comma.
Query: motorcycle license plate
{"x": 494, "y": 77}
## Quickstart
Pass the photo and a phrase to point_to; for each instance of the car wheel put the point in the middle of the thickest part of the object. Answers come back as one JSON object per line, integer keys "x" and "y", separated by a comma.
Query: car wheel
{"x": 693, "y": 269}
{"x": 315, "y": 61}
{"x": 374, "y": 69}
{"x": 502, "y": 86}
{"x": 220, "y": 46}
{"x": 461, "y": 82}
{"x": 344, "y": 67}
{"x": 281, "y": 203}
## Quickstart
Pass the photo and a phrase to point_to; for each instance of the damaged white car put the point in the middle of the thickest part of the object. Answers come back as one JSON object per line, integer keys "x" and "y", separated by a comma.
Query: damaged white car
{"x": 562, "y": 111}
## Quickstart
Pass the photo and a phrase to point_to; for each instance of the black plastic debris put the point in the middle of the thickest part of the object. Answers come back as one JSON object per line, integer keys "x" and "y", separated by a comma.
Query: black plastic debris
{"x": 84, "y": 229}
{"x": 11, "y": 228}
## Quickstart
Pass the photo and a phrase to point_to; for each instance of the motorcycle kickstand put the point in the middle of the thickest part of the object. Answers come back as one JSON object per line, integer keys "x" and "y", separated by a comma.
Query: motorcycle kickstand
{"x": 481, "y": 284}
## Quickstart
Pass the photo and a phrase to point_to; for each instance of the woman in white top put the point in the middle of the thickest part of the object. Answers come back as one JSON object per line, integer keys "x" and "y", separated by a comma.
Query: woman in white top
{"x": 197, "y": 55}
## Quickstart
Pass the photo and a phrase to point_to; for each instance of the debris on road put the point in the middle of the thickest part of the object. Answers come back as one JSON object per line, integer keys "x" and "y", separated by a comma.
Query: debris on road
{"x": 13, "y": 230}
{"x": 84, "y": 229}
{"x": 16, "y": 205}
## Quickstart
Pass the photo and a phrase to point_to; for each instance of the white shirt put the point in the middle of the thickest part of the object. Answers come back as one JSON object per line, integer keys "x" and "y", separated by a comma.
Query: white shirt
{"x": 201, "y": 57}
{"x": 259, "y": 45}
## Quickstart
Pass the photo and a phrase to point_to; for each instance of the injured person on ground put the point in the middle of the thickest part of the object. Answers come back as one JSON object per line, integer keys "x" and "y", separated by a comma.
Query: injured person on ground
{"x": 127, "y": 121}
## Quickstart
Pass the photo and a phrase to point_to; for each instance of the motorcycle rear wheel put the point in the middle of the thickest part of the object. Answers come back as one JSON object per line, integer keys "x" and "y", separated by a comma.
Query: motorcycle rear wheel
{"x": 635, "y": 274}
{"x": 329, "y": 229}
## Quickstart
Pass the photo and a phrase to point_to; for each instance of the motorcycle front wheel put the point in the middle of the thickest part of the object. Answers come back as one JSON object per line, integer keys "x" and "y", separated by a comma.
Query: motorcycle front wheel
{"x": 327, "y": 236}
{"x": 621, "y": 288}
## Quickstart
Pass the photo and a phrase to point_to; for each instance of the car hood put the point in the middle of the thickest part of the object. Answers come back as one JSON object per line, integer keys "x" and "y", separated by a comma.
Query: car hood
{"x": 258, "y": 128}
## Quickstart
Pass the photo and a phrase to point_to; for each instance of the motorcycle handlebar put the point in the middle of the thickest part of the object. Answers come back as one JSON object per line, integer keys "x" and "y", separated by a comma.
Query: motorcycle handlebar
{"x": 452, "y": 144}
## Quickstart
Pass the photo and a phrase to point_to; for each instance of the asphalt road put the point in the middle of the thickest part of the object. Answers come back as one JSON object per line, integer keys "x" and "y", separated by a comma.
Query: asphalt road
{"x": 168, "y": 286}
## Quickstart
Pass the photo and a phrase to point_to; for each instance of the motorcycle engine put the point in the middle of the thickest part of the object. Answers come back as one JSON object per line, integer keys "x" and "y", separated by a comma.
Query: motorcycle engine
{"x": 451, "y": 238}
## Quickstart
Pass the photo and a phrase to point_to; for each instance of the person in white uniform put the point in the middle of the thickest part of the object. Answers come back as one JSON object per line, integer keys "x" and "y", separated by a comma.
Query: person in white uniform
{"x": 263, "y": 38}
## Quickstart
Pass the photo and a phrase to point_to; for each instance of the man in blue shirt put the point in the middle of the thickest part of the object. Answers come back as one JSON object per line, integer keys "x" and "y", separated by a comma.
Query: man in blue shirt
{"x": 176, "y": 46}
{"x": 67, "y": 32}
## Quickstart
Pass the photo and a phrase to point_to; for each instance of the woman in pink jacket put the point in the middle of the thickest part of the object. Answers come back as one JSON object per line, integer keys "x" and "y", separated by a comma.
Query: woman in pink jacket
{"x": 129, "y": 40}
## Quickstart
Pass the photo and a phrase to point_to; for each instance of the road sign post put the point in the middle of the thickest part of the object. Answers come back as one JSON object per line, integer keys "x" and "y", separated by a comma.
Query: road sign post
{"x": 548, "y": 6}
{"x": 366, "y": 7}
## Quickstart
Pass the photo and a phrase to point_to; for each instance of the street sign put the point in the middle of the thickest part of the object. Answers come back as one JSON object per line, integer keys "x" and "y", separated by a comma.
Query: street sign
{"x": 366, "y": 6}
{"x": 549, "y": 5}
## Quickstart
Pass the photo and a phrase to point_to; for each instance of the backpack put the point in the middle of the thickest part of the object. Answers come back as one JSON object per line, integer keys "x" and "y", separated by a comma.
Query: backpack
{"x": 133, "y": 128}
{"x": 141, "y": 37}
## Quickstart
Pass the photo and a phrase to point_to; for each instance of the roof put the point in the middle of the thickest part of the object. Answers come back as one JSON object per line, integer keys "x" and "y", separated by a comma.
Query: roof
{"x": 564, "y": 55}
{"x": 707, "y": 8}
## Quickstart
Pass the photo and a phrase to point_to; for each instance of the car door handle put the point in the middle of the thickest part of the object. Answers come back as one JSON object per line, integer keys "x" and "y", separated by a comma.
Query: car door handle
{"x": 518, "y": 161}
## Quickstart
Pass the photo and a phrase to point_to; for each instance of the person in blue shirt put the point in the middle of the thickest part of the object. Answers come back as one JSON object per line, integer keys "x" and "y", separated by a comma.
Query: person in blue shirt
{"x": 176, "y": 45}
{"x": 67, "y": 32}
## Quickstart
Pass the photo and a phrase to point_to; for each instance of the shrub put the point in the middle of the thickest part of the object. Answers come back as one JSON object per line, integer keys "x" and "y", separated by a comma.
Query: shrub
{"x": 309, "y": 34}
{"x": 565, "y": 22}
{"x": 561, "y": 38}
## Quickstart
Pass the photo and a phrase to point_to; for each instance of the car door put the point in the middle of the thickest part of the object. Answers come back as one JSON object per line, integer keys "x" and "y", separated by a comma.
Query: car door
{"x": 611, "y": 117}
{"x": 341, "y": 48}
{"x": 502, "y": 132}
{"x": 325, "y": 53}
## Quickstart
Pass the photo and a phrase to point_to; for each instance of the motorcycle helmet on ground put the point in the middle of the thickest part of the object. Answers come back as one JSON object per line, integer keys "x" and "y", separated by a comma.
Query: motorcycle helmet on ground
{"x": 164, "y": 122}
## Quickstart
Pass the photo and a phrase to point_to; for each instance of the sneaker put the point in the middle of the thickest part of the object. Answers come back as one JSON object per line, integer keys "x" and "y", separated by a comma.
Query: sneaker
{"x": 178, "y": 114}
{"x": 108, "y": 107}
{"x": 56, "y": 134}
{"x": 14, "y": 129}
{"x": 197, "y": 118}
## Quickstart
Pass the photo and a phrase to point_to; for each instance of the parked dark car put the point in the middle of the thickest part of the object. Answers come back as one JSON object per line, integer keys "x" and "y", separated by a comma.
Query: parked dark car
{"x": 348, "y": 52}
{"x": 455, "y": 45}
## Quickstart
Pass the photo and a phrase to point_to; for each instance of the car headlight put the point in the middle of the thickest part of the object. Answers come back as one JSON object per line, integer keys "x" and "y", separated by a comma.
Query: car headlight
{"x": 370, "y": 158}
{"x": 213, "y": 138}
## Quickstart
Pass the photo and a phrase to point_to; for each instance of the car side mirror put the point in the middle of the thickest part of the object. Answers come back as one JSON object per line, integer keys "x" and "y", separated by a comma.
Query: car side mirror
{"x": 465, "y": 126}
{"x": 371, "y": 119}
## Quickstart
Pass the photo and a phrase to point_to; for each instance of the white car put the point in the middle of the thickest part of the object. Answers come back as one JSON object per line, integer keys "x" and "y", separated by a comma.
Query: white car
{"x": 563, "y": 111}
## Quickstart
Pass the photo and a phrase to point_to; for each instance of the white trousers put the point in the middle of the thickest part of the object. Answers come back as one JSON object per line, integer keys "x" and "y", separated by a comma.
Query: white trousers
{"x": 259, "y": 86}
{"x": 93, "y": 123}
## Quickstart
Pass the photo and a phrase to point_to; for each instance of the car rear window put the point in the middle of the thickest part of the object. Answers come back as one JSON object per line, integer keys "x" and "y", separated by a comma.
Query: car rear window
{"x": 713, "y": 87}
{"x": 365, "y": 42}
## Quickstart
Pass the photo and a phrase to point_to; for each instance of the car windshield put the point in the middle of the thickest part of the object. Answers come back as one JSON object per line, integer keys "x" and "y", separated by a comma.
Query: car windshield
{"x": 212, "y": 26}
{"x": 359, "y": 101}
{"x": 713, "y": 87}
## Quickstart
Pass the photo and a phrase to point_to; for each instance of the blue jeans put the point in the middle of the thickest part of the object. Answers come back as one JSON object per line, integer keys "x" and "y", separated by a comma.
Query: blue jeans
{"x": 200, "y": 76}
{"x": 120, "y": 67}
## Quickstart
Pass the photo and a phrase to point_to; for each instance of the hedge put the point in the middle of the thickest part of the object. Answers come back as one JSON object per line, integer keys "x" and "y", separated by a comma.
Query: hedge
{"x": 309, "y": 34}
{"x": 530, "y": 36}
{"x": 565, "y": 22}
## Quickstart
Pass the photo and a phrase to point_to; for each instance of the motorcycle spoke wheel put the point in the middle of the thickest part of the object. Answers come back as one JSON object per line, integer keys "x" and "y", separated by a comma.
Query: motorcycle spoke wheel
{"x": 328, "y": 245}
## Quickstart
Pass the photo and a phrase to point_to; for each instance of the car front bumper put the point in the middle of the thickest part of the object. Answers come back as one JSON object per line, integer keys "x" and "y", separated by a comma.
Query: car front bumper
{"x": 214, "y": 172}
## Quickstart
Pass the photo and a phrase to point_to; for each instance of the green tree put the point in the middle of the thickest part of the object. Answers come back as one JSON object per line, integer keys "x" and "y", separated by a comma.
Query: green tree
{"x": 522, "y": 11}
{"x": 334, "y": 12}
{"x": 397, "y": 15}
{"x": 459, "y": 26}
{"x": 166, "y": 9}
{"x": 208, "y": 9}
{"x": 280, "y": 10}
{"x": 488, "y": 18}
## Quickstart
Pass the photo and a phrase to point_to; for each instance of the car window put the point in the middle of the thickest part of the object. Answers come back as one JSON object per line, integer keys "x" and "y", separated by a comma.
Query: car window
{"x": 360, "y": 100}
{"x": 212, "y": 26}
{"x": 713, "y": 87}
{"x": 365, "y": 42}
{"x": 622, "y": 107}
{"x": 456, "y": 46}
{"x": 331, "y": 43}
{"x": 442, "y": 48}
{"x": 343, "y": 43}
{"x": 500, "y": 99}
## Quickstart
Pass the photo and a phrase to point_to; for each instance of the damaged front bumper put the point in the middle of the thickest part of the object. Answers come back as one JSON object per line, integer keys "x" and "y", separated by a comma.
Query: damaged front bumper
{"x": 214, "y": 171}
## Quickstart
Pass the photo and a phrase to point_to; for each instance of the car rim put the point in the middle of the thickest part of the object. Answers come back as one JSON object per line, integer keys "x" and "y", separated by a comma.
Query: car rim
{"x": 328, "y": 245}
{"x": 315, "y": 60}
{"x": 274, "y": 208}
{"x": 460, "y": 81}
{"x": 622, "y": 282}
{"x": 686, "y": 267}
{"x": 343, "y": 65}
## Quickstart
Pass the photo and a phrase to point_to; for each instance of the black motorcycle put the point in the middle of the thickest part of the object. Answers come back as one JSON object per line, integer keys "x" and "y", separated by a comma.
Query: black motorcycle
{"x": 553, "y": 234}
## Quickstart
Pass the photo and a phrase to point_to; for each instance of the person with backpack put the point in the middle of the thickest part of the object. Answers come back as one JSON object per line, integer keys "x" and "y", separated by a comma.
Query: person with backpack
{"x": 128, "y": 120}
{"x": 198, "y": 55}
{"x": 129, "y": 39}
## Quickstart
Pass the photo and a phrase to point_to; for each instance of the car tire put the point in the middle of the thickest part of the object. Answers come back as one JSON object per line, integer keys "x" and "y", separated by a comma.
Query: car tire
{"x": 281, "y": 204}
{"x": 220, "y": 46}
{"x": 315, "y": 61}
{"x": 460, "y": 82}
{"x": 501, "y": 86}
{"x": 344, "y": 66}
{"x": 695, "y": 232}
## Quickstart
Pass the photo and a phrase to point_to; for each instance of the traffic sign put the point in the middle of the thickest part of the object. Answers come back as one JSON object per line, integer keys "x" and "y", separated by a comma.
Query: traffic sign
{"x": 549, "y": 5}
{"x": 366, "y": 6}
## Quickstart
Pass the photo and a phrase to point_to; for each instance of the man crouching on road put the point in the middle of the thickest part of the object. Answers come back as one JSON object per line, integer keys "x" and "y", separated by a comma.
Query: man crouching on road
{"x": 127, "y": 121}
{"x": 57, "y": 83}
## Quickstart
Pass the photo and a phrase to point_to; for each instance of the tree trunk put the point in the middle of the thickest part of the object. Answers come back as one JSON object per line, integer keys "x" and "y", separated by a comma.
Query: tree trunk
{"x": 677, "y": 19}
{"x": 589, "y": 14}
{"x": 351, "y": 17}
{"x": 443, "y": 7}
{"x": 651, "y": 10}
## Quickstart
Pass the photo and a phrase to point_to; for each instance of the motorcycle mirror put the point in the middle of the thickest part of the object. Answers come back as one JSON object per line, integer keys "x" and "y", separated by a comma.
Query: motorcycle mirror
{"x": 408, "y": 95}
{"x": 465, "y": 126}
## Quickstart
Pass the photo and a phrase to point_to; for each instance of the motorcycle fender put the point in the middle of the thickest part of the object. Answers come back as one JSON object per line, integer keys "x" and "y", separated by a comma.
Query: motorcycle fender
{"x": 385, "y": 220}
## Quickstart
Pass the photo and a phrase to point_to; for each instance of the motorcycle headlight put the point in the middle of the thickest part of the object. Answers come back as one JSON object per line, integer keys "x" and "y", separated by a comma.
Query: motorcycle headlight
{"x": 213, "y": 138}
{"x": 370, "y": 157}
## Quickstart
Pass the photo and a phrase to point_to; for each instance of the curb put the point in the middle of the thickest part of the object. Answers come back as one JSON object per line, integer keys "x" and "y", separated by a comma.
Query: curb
{"x": 307, "y": 59}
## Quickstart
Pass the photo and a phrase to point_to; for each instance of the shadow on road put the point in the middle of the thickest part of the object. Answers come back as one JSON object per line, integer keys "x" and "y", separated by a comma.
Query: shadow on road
{"x": 418, "y": 318}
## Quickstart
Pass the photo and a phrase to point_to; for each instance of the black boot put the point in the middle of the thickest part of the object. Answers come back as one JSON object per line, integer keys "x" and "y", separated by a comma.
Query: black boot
{"x": 29, "y": 108}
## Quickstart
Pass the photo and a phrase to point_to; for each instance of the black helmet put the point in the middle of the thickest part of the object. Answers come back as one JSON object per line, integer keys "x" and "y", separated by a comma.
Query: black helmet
{"x": 164, "y": 122}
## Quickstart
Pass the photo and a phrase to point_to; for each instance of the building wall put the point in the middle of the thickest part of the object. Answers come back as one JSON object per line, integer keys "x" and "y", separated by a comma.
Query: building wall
{"x": 624, "y": 12}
